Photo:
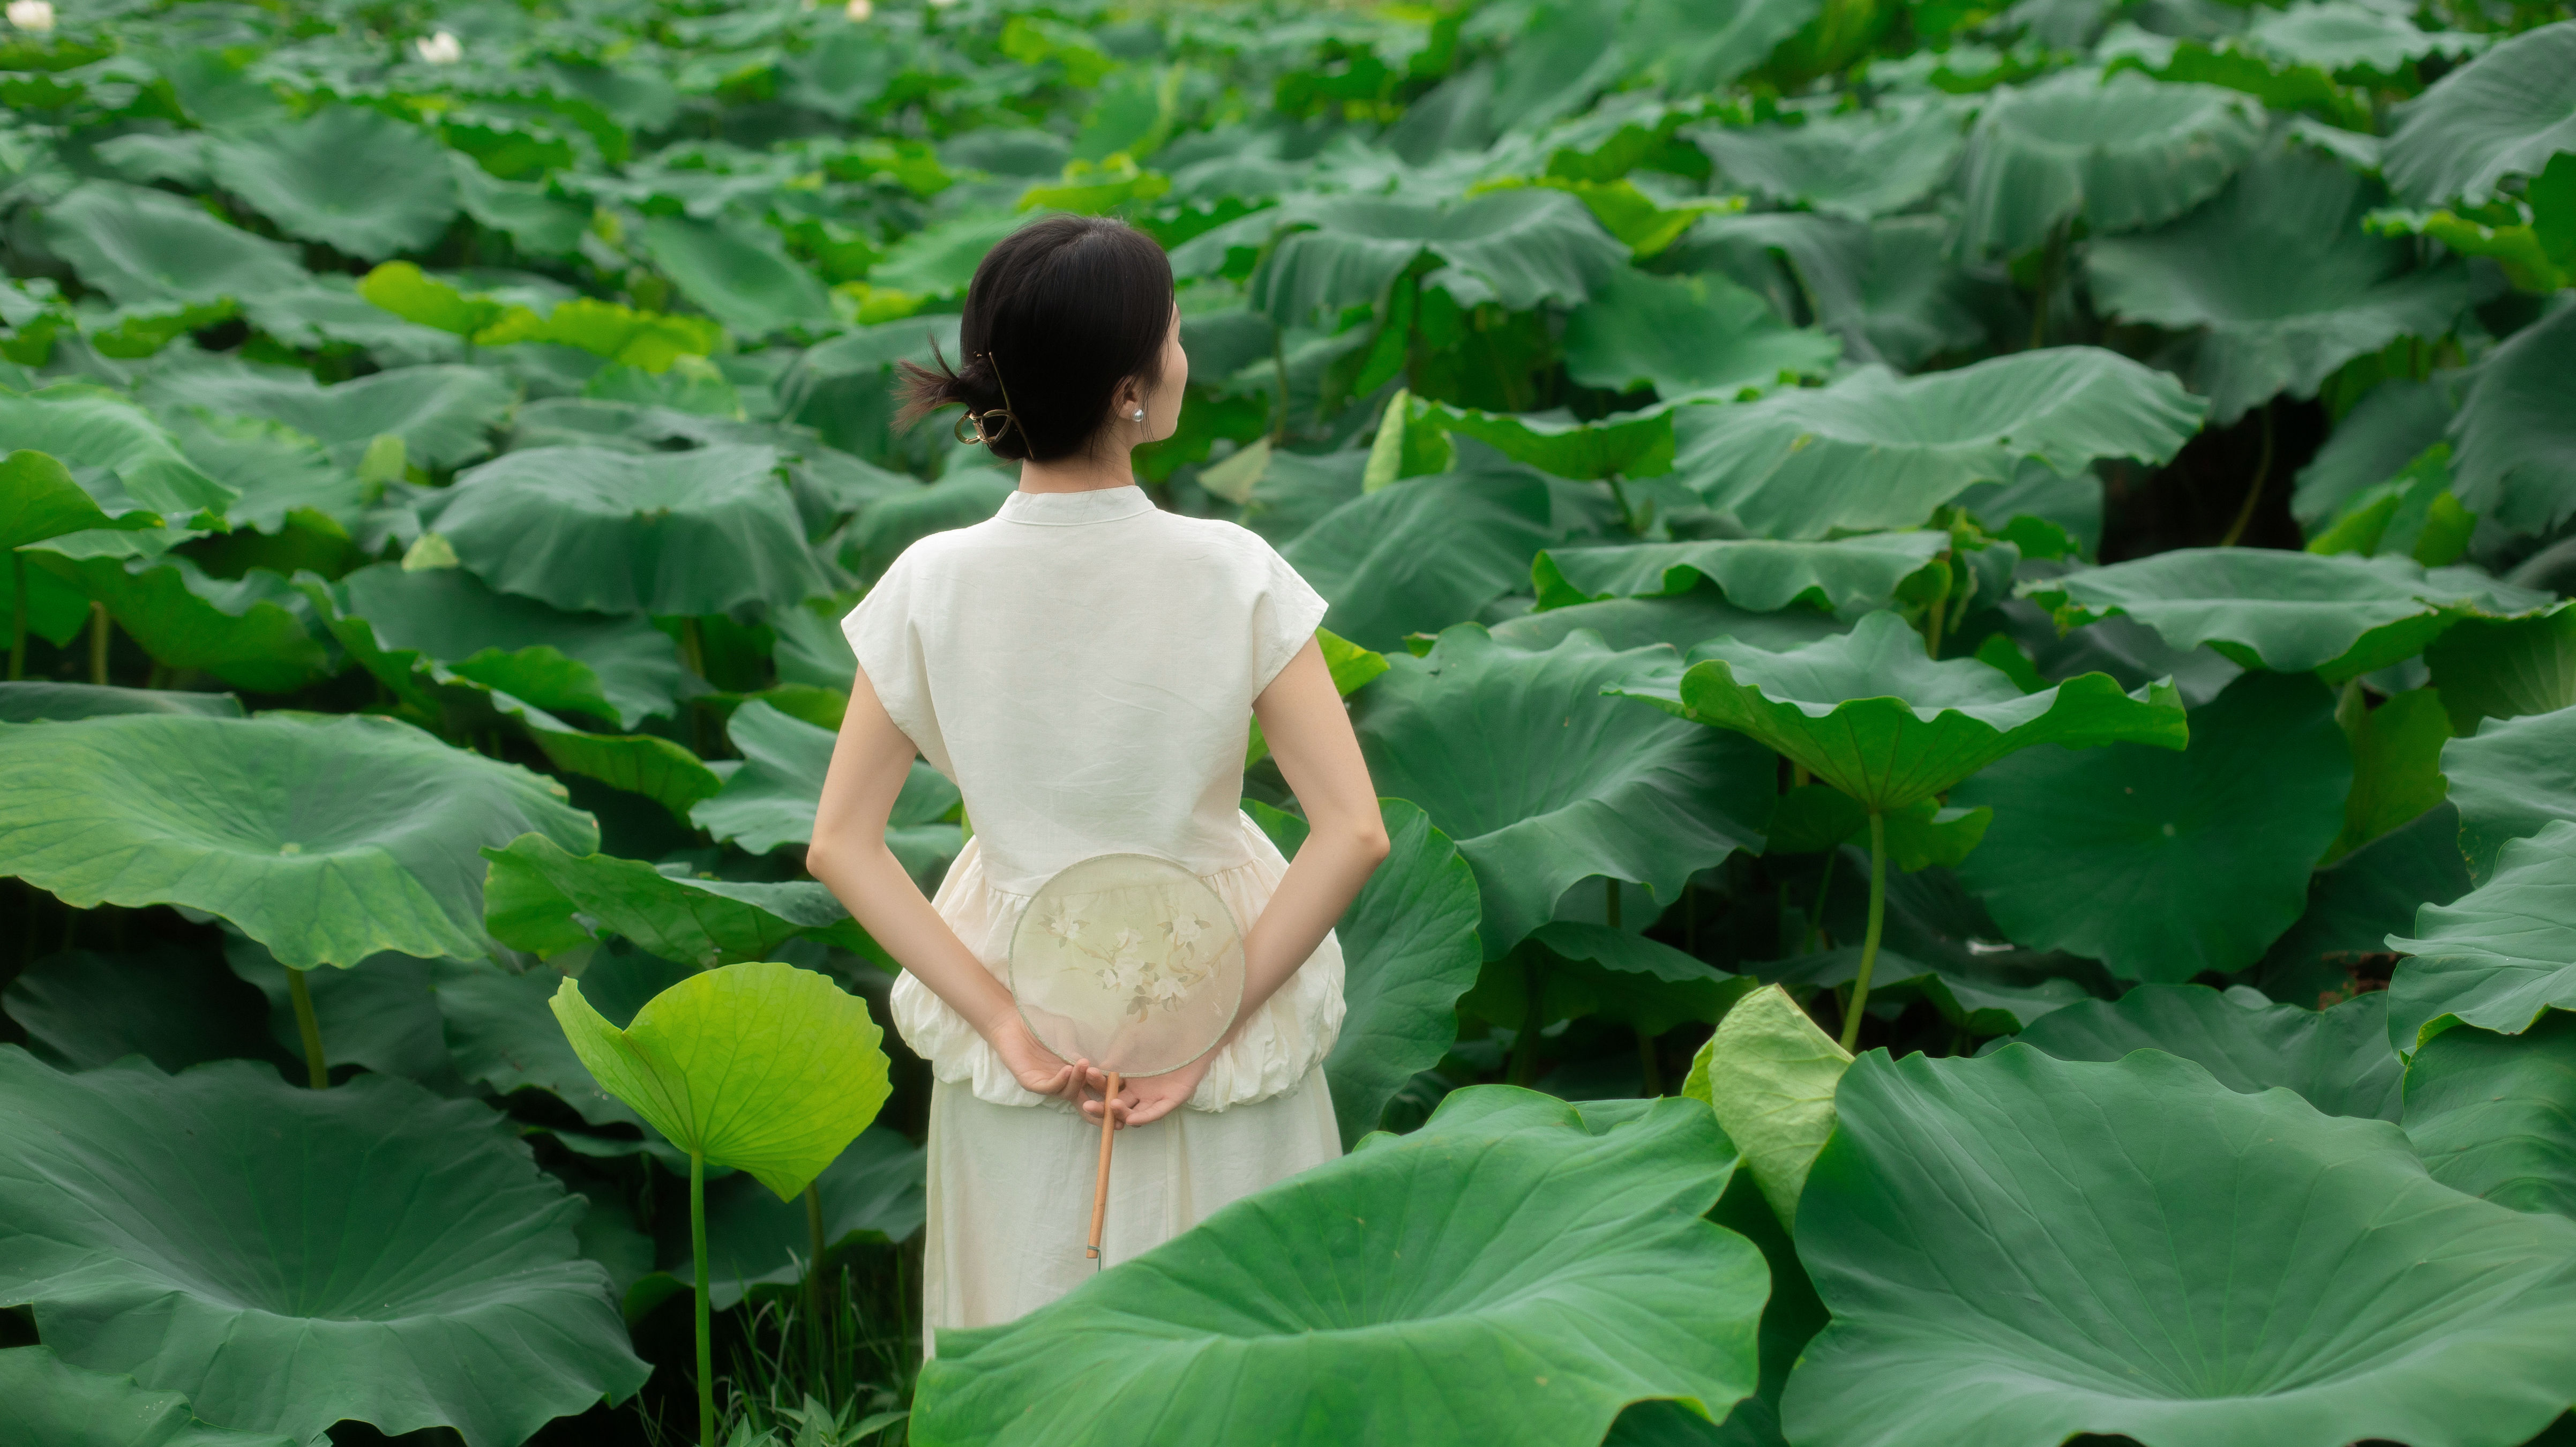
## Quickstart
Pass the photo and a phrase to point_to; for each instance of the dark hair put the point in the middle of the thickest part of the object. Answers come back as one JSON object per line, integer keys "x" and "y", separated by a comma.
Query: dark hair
{"x": 1059, "y": 313}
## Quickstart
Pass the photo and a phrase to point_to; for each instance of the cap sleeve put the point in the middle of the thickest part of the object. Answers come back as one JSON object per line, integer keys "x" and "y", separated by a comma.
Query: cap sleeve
{"x": 885, "y": 638}
{"x": 1284, "y": 616}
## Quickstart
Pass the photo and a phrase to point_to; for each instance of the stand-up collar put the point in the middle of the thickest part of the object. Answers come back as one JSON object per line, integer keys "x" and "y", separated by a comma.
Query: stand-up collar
{"x": 1066, "y": 509}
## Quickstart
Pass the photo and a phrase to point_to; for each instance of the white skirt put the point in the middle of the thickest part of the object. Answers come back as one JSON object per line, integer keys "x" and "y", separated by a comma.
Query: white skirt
{"x": 1010, "y": 1191}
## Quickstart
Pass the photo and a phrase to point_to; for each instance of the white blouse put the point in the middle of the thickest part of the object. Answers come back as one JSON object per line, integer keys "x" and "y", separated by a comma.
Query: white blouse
{"x": 1083, "y": 666}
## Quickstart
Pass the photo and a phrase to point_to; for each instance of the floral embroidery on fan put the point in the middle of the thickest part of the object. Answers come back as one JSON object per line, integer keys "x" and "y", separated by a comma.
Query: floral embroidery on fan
{"x": 1153, "y": 974}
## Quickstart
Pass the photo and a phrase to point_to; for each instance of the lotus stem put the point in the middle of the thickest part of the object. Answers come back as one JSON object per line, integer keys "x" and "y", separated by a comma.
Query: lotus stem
{"x": 1932, "y": 620}
{"x": 98, "y": 626}
{"x": 1877, "y": 922}
{"x": 706, "y": 1334}
{"x": 308, "y": 1028}
{"x": 2254, "y": 489}
{"x": 814, "y": 1343}
{"x": 17, "y": 615}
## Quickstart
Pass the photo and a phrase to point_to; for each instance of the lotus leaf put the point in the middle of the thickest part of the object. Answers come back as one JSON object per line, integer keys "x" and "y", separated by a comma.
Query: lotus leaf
{"x": 277, "y": 469}
{"x": 381, "y": 1013}
{"x": 325, "y": 839}
{"x": 1887, "y": 286}
{"x": 1559, "y": 1274}
{"x": 39, "y": 499}
{"x": 2498, "y": 958}
{"x": 1862, "y": 166}
{"x": 1687, "y": 334}
{"x": 129, "y": 468}
{"x": 2511, "y": 780}
{"x": 1978, "y": 1002}
{"x": 141, "y": 246}
{"x": 2508, "y": 668}
{"x": 2331, "y": 1289}
{"x": 2516, "y": 441}
{"x": 1769, "y": 1076}
{"x": 1416, "y": 556}
{"x": 177, "y": 1008}
{"x": 1519, "y": 247}
{"x": 747, "y": 284}
{"x": 1632, "y": 444}
{"x": 2279, "y": 300}
{"x": 1483, "y": 737}
{"x": 2338, "y": 615}
{"x": 2338, "y": 1058}
{"x": 358, "y": 179}
{"x": 1874, "y": 450}
{"x": 1846, "y": 576}
{"x": 254, "y": 632}
{"x": 2355, "y": 903}
{"x": 760, "y": 1066}
{"x": 872, "y": 1193}
{"x": 1574, "y": 970}
{"x": 2341, "y": 35}
{"x": 770, "y": 800}
{"x": 590, "y": 530}
{"x": 289, "y": 1258}
{"x": 500, "y": 1031}
{"x": 27, "y": 702}
{"x": 1681, "y": 622}
{"x": 2502, "y": 114}
{"x": 62, "y": 1405}
{"x": 2390, "y": 427}
{"x": 2396, "y": 767}
{"x": 2495, "y": 1115}
{"x": 442, "y": 413}
{"x": 621, "y": 670}
{"x": 2119, "y": 150}
{"x": 1409, "y": 951}
{"x": 537, "y": 887}
{"x": 2164, "y": 864}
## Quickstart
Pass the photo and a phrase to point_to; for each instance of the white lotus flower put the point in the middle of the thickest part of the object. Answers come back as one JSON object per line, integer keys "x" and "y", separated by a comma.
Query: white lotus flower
{"x": 38, "y": 15}
{"x": 1064, "y": 924}
{"x": 861, "y": 10}
{"x": 440, "y": 49}
{"x": 1186, "y": 929}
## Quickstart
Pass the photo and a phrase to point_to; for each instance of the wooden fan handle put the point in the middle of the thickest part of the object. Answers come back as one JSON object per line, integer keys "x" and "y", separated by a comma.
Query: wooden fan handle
{"x": 1100, "y": 1188}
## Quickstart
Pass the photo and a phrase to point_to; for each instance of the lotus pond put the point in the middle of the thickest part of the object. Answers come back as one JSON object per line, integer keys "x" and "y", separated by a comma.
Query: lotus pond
{"x": 1961, "y": 612}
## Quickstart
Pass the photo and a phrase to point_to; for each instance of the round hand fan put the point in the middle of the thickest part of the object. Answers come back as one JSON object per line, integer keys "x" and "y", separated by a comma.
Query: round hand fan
{"x": 1132, "y": 963}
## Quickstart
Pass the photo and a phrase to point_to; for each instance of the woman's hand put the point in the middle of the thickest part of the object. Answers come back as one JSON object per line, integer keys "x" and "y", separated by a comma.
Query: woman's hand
{"x": 1039, "y": 1069}
{"x": 1148, "y": 1099}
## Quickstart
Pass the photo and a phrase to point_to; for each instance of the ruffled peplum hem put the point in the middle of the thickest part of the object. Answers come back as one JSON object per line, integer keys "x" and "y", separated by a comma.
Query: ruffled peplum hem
{"x": 1273, "y": 1052}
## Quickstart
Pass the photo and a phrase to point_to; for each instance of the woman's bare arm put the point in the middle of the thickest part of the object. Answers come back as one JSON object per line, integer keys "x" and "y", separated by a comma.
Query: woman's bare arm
{"x": 1310, "y": 735}
{"x": 870, "y": 762}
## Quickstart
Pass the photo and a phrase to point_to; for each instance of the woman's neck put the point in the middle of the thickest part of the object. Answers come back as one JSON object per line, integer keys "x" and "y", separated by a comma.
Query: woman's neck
{"x": 1081, "y": 472}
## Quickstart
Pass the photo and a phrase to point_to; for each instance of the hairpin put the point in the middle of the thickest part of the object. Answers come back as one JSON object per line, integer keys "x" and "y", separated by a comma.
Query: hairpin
{"x": 971, "y": 428}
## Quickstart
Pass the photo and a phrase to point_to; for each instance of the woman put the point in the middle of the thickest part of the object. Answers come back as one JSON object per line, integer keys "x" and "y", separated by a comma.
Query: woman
{"x": 1085, "y": 667}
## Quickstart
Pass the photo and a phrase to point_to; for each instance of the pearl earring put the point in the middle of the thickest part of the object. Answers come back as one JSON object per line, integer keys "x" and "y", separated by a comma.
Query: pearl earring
{"x": 1138, "y": 414}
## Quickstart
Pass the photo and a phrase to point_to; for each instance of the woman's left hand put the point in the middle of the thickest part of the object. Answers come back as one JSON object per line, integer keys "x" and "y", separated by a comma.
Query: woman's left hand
{"x": 1148, "y": 1099}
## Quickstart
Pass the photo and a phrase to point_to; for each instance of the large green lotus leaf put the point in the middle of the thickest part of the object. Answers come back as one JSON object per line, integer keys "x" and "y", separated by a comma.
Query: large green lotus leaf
{"x": 747, "y": 284}
{"x": 1863, "y": 165}
{"x": 174, "y": 1007}
{"x": 39, "y": 499}
{"x": 1502, "y": 1274}
{"x": 141, "y": 245}
{"x": 938, "y": 260}
{"x": 1594, "y": 971}
{"x": 351, "y": 176}
{"x": 2120, "y": 151}
{"x": 1769, "y": 1076}
{"x": 1486, "y": 740}
{"x": 325, "y": 839}
{"x": 884, "y": 528}
{"x": 500, "y": 1031}
{"x": 2503, "y": 114}
{"x": 2336, "y": 614}
{"x": 2355, "y": 903}
{"x": 2278, "y": 281}
{"x": 537, "y": 889}
{"x": 1424, "y": 553}
{"x": 114, "y": 452}
{"x": 256, "y": 631}
{"x": 1876, "y": 450}
{"x": 2339, "y": 1059}
{"x": 442, "y": 413}
{"x": 873, "y": 1193}
{"x": 770, "y": 800}
{"x": 277, "y": 469}
{"x": 28, "y": 701}
{"x": 620, "y": 669}
{"x": 2390, "y": 427}
{"x": 1520, "y": 247}
{"x": 2495, "y": 1115}
{"x": 1967, "y": 997}
{"x": 1694, "y": 47}
{"x": 56, "y": 1404}
{"x": 2505, "y": 668}
{"x": 2511, "y": 780}
{"x": 760, "y": 1066}
{"x": 1845, "y": 576}
{"x": 1686, "y": 334}
{"x": 380, "y": 1013}
{"x": 2396, "y": 767}
{"x": 2341, "y": 35}
{"x": 1682, "y": 622}
{"x": 1627, "y": 444}
{"x": 1888, "y": 286}
{"x": 591, "y": 530}
{"x": 1869, "y": 714}
{"x": 2501, "y": 955}
{"x": 288, "y": 1258}
{"x": 2190, "y": 1267}
{"x": 2515, "y": 435}
{"x": 2163, "y": 864}
{"x": 1409, "y": 950}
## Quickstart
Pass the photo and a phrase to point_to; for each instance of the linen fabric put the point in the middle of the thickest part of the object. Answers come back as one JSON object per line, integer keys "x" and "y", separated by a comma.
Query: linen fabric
{"x": 1083, "y": 666}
